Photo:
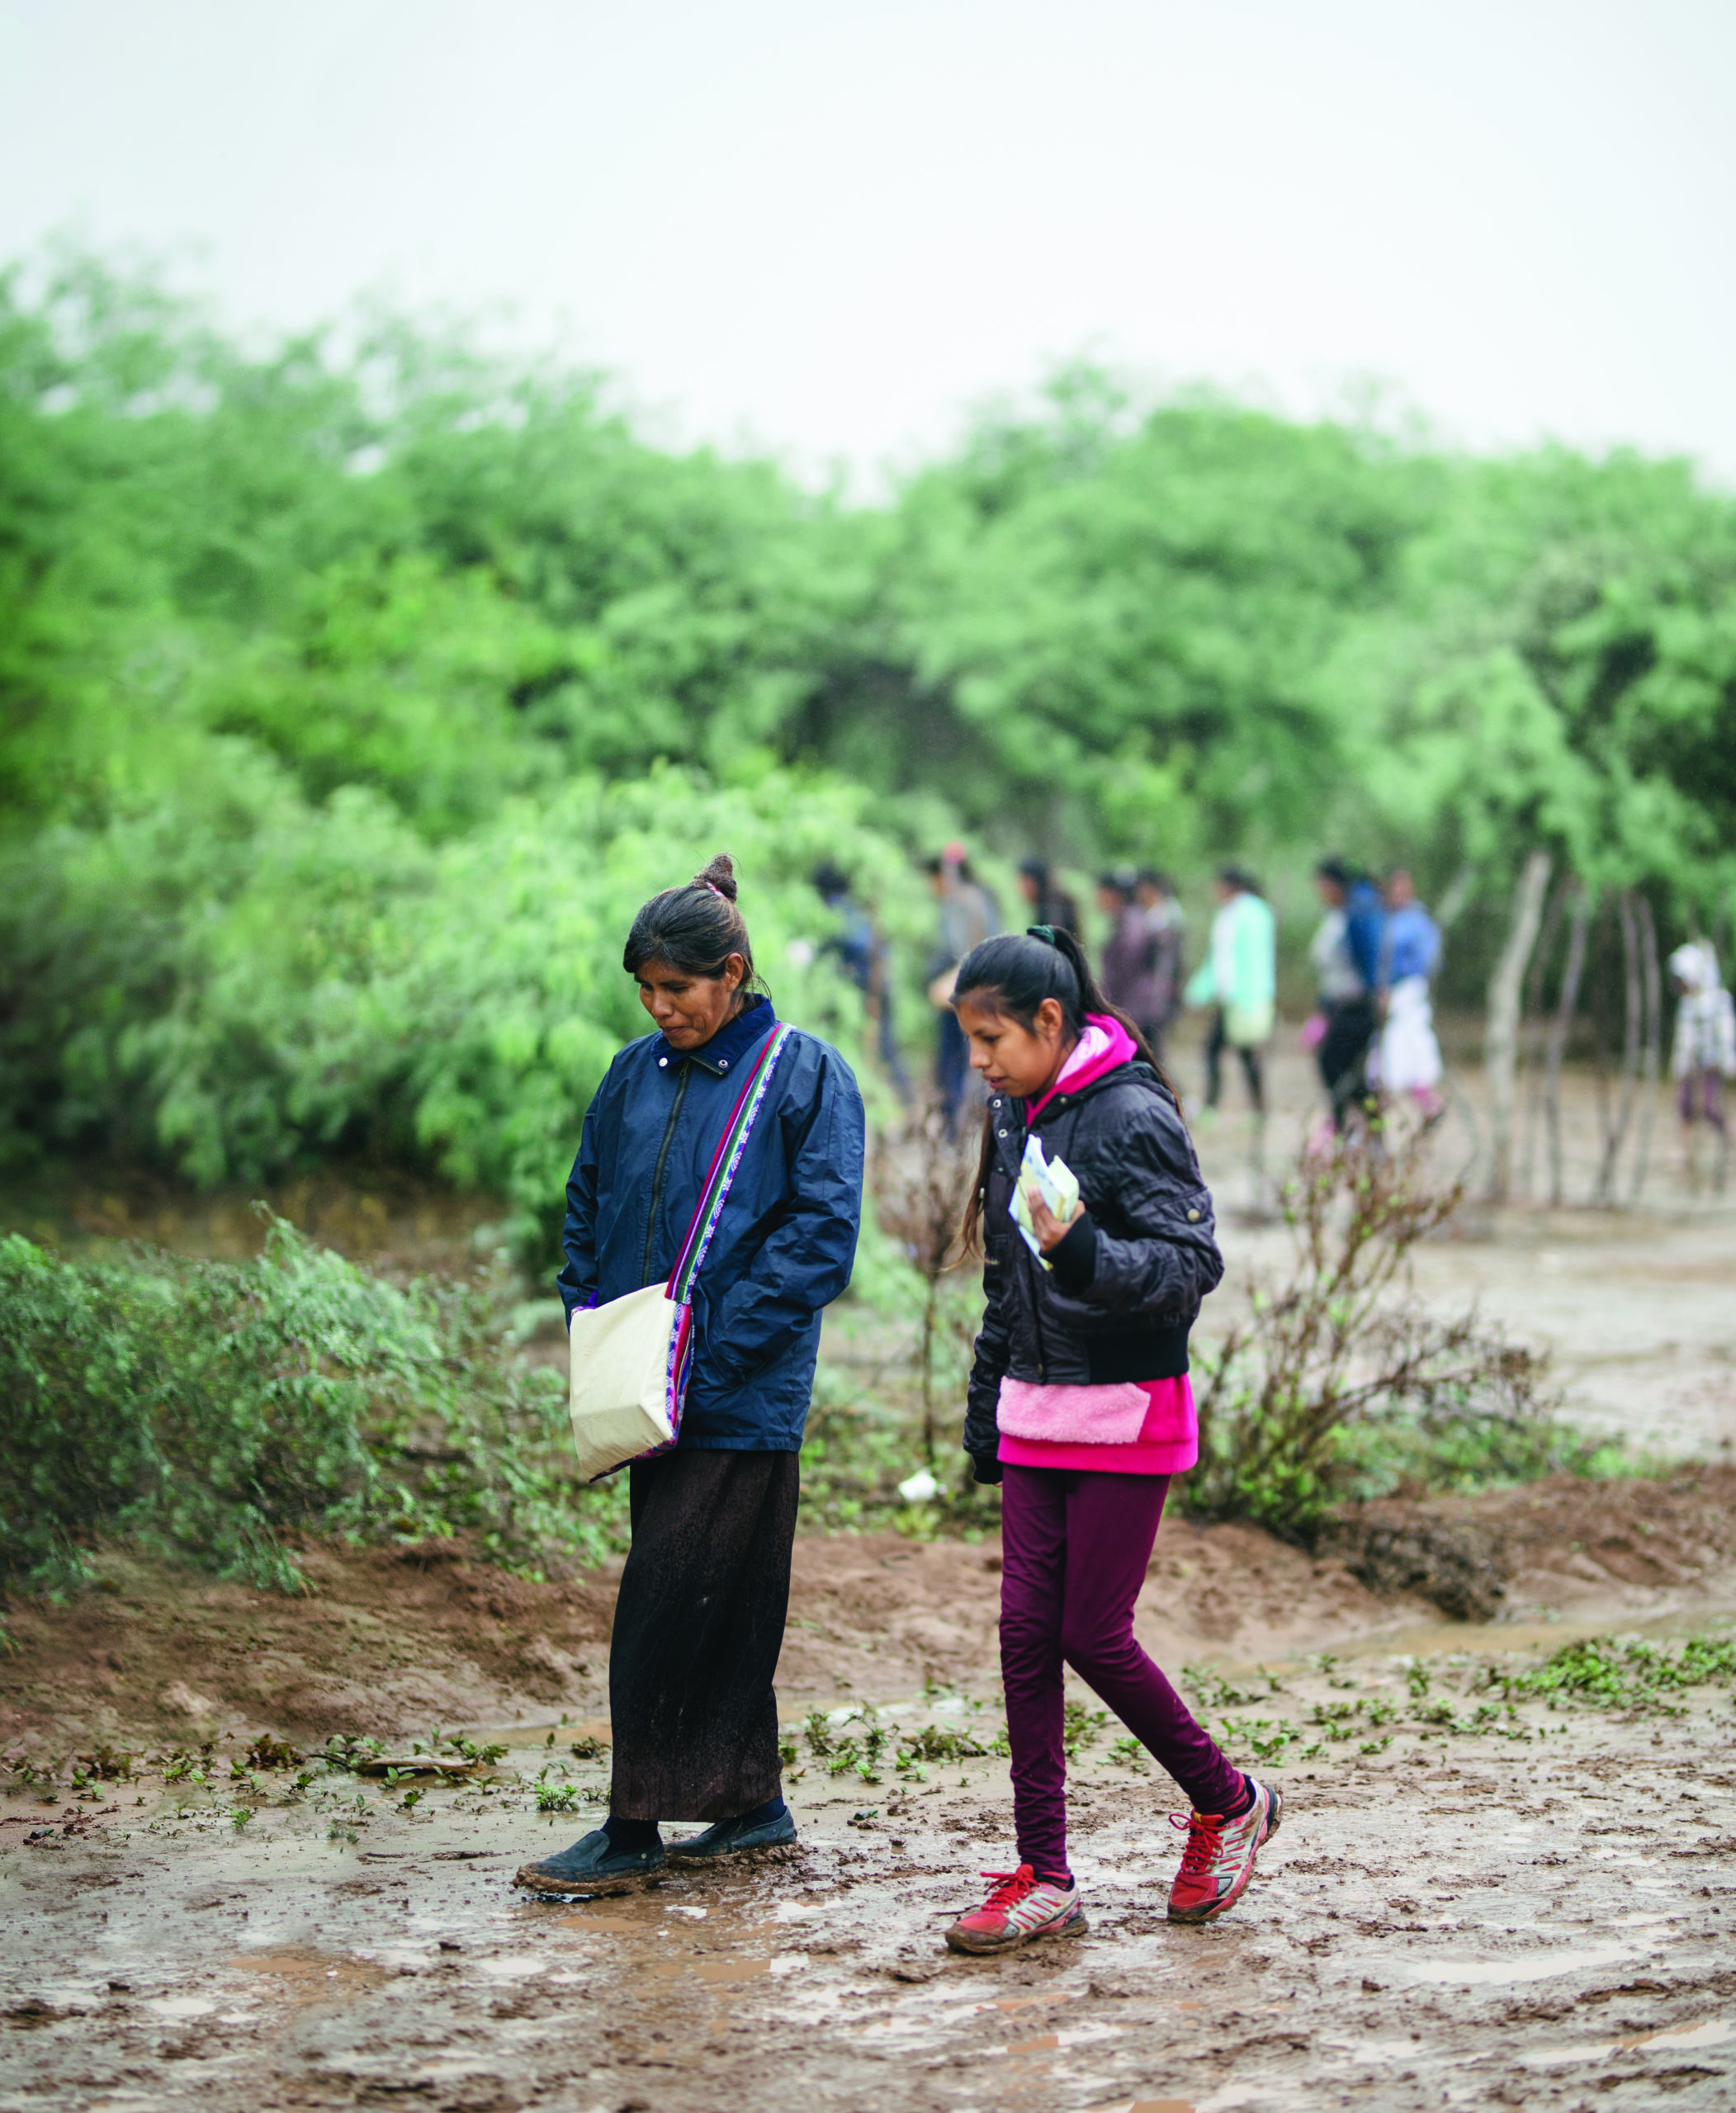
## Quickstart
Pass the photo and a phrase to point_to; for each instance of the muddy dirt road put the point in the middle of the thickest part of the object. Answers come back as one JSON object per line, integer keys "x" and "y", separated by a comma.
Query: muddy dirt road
{"x": 1516, "y": 1908}
{"x": 1522, "y": 1908}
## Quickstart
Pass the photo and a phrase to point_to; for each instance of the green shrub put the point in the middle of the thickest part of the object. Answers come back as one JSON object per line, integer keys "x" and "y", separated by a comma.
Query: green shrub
{"x": 209, "y": 1409}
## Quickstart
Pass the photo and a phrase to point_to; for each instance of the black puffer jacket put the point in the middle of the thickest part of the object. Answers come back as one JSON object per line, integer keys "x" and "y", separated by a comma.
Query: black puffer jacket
{"x": 1127, "y": 1280}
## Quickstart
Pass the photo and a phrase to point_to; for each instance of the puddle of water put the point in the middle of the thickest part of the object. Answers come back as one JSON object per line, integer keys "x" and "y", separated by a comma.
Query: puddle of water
{"x": 1711, "y": 2032}
{"x": 1148, "y": 2106}
{"x": 731, "y": 1969}
{"x": 181, "y": 2006}
{"x": 1478, "y": 1972}
{"x": 512, "y": 1966}
{"x": 310, "y": 1976}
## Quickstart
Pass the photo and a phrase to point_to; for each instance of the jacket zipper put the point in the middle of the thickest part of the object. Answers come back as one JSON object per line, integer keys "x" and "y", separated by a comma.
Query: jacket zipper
{"x": 1042, "y": 1354}
{"x": 663, "y": 1158}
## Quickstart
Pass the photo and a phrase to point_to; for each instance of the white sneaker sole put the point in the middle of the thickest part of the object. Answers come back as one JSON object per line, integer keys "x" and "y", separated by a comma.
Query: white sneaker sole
{"x": 968, "y": 1941}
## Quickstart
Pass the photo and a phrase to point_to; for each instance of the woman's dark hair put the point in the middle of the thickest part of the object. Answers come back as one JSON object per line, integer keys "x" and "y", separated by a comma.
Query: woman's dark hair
{"x": 694, "y": 929}
{"x": 1013, "y": 974}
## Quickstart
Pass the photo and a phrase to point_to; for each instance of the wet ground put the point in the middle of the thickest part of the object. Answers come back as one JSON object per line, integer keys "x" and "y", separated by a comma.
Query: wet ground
{"x": 1533, "y": 1908}
{"x": 1541, "y": 1912}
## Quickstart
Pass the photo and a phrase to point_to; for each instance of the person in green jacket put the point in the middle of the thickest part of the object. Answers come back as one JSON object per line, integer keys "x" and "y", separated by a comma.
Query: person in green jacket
{"x": 1239, "y": 978}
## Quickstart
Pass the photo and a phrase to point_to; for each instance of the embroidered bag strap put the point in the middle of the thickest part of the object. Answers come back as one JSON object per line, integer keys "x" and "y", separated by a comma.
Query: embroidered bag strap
{"x": 724, "y": 1160}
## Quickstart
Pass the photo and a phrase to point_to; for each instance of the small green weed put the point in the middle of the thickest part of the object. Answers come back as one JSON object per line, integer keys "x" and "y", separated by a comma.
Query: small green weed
{"x": 269, "y": 1752}
{"x": 1213, "y": 1690}
{"x": 1081, "y": 1727}
{"x": 1627, "y": 1673}
{"x": 934, "y": 1743}
{"x": 1265, "y": 1737}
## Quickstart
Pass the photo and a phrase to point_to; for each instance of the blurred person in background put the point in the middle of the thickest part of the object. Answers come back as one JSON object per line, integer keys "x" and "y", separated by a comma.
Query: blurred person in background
{"x": 1406, "y": 1057}
{"x": 1238, "y": 979}
{"x": 1046, "y": 900}
{"x": 1127, "y": 951}
{"x": 1345, "y": 955}
{"x": 968, "y": 914}
{"x": 700, "y": 1611}
{"x": 1165, "y": 926}
{"x": 860, "y": 953}
{"x": 1703, "y": 1054}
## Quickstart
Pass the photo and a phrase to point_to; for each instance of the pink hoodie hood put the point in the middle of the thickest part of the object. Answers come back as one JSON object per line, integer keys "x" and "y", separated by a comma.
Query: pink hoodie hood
{"x": 1104, "y": 1044}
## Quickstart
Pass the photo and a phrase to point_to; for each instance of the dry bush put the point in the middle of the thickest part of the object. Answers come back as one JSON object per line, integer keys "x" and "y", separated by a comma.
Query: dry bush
{"x": 1340, "y": 1383}
{"x": 921, "y": 1177}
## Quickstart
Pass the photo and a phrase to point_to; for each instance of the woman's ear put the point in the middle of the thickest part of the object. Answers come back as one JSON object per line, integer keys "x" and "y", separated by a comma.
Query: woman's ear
{"x": 734, "y": 970}
{"x": 1050, "y": 1018}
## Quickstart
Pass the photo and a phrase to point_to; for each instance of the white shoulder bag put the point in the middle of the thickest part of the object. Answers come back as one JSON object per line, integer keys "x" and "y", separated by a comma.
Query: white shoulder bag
{"x": 630, "y": 1359}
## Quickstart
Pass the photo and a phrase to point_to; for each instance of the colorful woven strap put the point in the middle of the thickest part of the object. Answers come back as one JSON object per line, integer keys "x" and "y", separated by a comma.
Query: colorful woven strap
{"x": 724, "y": 1160}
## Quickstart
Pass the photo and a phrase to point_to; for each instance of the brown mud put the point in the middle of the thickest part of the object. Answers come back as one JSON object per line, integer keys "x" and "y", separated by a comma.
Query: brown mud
{"x": 391, "y": 1642}
{"x": 1538, "y": 1911}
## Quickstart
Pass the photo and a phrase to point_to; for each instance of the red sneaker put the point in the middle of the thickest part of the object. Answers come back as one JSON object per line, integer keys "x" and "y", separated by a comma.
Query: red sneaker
{"x": 1218, "y": 1860}
{"x": 1022, "y": 1908}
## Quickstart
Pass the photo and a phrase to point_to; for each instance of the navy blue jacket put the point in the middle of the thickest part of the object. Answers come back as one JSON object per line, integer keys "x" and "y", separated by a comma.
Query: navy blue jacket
{"x": 1364, "y": 924}
{"x": 783, "y": 1247}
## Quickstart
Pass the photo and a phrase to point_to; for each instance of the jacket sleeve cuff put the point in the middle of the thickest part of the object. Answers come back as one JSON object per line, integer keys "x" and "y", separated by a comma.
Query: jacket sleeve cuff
{"x": 1074, "y": 1260}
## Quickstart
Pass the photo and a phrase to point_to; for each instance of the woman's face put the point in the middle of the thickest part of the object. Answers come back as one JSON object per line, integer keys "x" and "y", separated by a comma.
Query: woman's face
{"x": 1011, "y": 1058}
{"x": 689, "y": 1009}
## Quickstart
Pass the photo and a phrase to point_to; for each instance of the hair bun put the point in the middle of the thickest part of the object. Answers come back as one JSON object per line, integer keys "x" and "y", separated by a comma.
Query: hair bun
{"x": 720, "y": 874}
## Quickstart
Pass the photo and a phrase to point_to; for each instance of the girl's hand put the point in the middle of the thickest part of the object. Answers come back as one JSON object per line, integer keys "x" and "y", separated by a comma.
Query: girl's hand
{"x": 1050, "y": 1230}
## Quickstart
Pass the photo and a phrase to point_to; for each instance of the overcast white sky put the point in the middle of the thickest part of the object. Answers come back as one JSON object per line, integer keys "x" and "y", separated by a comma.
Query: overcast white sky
{"x": 829, "y": 229}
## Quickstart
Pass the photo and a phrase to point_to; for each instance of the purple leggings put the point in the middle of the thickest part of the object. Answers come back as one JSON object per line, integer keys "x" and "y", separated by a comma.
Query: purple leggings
{"x": 1074, "y": 1545}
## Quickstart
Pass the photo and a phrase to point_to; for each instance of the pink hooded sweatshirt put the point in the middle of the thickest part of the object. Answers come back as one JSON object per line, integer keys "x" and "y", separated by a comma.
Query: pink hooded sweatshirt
{"x": 1135, "y": 1427}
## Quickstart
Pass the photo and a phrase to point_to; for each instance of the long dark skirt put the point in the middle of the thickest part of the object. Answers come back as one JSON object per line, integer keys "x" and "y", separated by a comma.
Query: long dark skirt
{"x": 698, "y": 1625}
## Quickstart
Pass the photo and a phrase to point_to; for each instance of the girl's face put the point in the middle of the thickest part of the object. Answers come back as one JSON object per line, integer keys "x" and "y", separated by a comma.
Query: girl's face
{"x": 1012, "y": 1058}
{"x": 689, "y": 1009}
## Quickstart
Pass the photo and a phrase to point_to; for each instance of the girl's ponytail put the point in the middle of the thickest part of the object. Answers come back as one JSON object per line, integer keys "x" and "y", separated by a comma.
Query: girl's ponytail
{"x": 1091, "y": 1000}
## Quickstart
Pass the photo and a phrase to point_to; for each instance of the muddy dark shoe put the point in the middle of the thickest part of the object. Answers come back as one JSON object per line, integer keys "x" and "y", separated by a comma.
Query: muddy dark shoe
{"x": 593, "y": 1866}
{"x": 735, "y": 1838}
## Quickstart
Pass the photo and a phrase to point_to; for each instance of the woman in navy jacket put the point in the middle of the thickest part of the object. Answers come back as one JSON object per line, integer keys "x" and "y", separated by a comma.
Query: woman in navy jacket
{"x": 700, "y": 1617}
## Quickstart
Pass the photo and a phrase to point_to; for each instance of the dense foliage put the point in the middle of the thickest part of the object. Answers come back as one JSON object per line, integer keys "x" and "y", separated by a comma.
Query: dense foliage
{"x": 216, "y": 1410}
{"x": 354, "y": 694}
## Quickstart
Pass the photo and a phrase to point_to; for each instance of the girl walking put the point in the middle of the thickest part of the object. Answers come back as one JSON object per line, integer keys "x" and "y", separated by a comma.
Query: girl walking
{"x": 700, "y": 1618}
{"x": 1080, "y": 1407}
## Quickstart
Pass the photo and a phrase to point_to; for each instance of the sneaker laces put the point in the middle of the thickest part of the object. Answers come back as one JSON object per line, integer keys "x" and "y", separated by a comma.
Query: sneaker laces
{"x": 1010, "y": 1887}
{"x": 1205, "y": 1838}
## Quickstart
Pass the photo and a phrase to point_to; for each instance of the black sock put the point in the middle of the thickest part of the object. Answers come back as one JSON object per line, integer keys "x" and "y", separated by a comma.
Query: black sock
{"x": 763, "y": 1815}
{"x": 632, "y": 1834}
{"x": 1062, "y": 1878}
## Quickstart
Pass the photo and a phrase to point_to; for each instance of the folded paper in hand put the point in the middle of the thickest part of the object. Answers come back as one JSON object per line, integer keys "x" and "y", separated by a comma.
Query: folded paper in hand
{"x": 1054, "y": 1181}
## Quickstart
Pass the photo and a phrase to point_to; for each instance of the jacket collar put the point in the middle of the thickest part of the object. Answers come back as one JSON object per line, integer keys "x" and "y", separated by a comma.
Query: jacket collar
{"x": 1103, "y": 1048}
{"x": 723, "y": 1053}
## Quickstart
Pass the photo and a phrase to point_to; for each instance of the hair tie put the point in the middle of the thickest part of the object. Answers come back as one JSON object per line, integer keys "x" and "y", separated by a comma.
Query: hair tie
{"x": 714, "y": 888}
{"x": 1046, "y": 933}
